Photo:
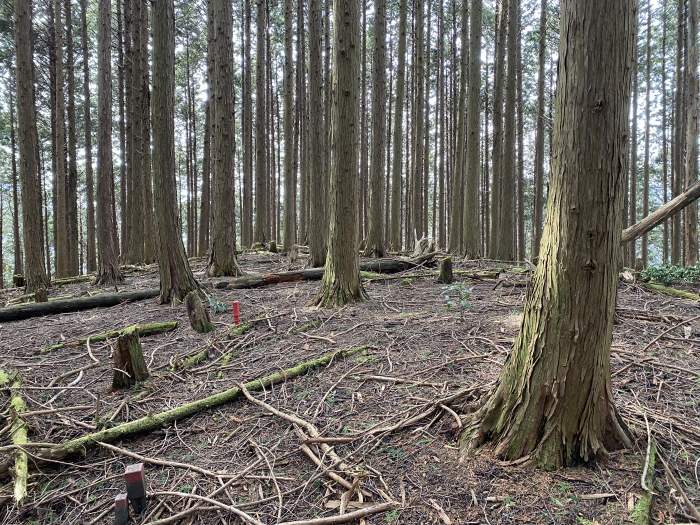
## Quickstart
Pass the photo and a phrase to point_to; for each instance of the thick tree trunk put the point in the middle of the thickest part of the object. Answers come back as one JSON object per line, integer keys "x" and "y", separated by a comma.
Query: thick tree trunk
{"x": 375, "y": 237}
{"x": 62, "y": 237}
{"x": 222, "y": 257}
{"x": 108, "y": 264}
{"x": 341, "y": 279}
{"x": 554, "y": 401}
{"x": 35, "y": 271}
{"x": 91, "y": 252}
{"x": 176, "y": 279}
{"x": 472, "y": 225}
{"x": 419, "y": 125}
{"x": 73, "y": 261}
{"x": 247, "y": 130}
{"x": 397, "y": 162}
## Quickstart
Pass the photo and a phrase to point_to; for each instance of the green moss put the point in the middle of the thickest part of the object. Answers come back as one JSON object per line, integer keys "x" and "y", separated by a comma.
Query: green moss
{"x": 239, "y": 330}
{"x": 371, "y": 275}
{"x": 641, "y": 513}
{"x": 306, "y": 326}
{"x": 192, "y": 360}
{"x": 673, "y": 292}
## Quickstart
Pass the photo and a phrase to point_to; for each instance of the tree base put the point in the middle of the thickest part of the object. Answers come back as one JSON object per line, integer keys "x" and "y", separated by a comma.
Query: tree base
{"x": 555, "y": 441}
{"x": 108, "y": 275}
{"x": 335, "y": 294}
{"x": 231, "y": 269}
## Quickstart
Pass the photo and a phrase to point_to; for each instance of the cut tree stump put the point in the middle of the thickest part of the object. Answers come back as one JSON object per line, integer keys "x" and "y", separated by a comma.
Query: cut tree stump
{"x": 198, "y": 314}
{"x": 59, "y": 306}
{"x": 41, "y": 295}
{"x": 446, "y": 276}
{"x": 129, "y": 363}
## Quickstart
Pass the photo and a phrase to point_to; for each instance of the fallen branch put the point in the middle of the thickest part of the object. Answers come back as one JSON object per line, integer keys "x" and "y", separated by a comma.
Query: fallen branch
{"x": 386, "y": 265}
{"x": 142, "y": 329}
{"x": 18, "y": 432}
{"x": 347, "y": 518}
{"x": 27, "y": 311}
{"x": 159, "y": 420}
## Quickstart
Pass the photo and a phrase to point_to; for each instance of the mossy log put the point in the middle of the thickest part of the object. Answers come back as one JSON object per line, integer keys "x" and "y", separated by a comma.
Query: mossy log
{"x": 27, "y": 311}
{"x": 385, "y": 265}
{"x": 191, "y": 360}
{"x": 673, "y": 292}
{"x": 198, "y": 314}
{"x": 18, "y": 433}
{"x": 446, "y": 276}
{"x": 159, "y": 420}
{"x": 142, "y": 329}
{"x": 129, "y": 363}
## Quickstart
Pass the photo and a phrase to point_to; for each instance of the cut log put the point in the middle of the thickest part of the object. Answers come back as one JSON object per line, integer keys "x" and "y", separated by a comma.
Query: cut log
{"x": 385, "y": 265}
{"x": 661, "y": 214}
{"x": 142, "y": 329}
{"x": 18, "y": 432}
{"x": 27, "y": 311}
{"x": 198, "y": 314}
{"x": 446, "y": 276}
{"x": 155, "y": 421}
{"x": 129, "y": 363}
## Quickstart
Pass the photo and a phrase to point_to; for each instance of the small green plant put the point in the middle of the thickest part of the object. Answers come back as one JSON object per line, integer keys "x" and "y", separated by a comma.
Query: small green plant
{"x": 671, "y": 274}
{"x": 391, "y": 516}
{"x": 457, "y": 295}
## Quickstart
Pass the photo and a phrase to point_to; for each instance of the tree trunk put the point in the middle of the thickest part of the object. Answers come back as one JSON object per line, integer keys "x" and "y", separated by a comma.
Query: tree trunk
{"x": 317, "y": 228}
{"x": 247, "y": 129}
{"x": 73, "y": 260}
{"x": 419, "y": 124}
{"x": 176, "y": 279}
{"x": 108, "y": 264}
{"x": 35, "y": 271}
{"x": 539, "y": 136}
{"x": 290, "y": 188}
{"x": 62, "y": 237}
{"x": 554, "y": 401}
{"x": 149, "y": 228}
{"x": 647, "y": 118}
{"x": 18, "y": 267}
{"x": 205, "y": 208}
{"x": 520, "y": 169}
{"x": 690, "y": 239}
{"x": 664, "y": 126}
{"x": 121, "y": 74}
{"x": 678, "y": 142}
{"x": 341, "y": 279}
{"x": 632, "y": 247}
{"x": 375, "y": 237}
{"x": 472, "y": 227}
{"x": 222, "y": 257}
{"x": 261, "y": 175}
{"x": 302, "y": 129}
{"x": 398, "y": 154}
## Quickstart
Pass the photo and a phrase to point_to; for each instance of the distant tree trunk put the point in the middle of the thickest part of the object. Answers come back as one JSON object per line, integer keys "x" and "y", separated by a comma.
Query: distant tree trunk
{"x": 457, "y": 220}
{"x": 91, "y": 255}
{"x": 647, "y": 119}
{"x": 301, "y": 127}
{"x": 63, "y": 243}
{"x": 108, "y": 264}
{"x": 205, "y": 208}
{"x": 341, "y": 279}
{"x": 35, "y": 273}
{"x": 150, "y": 250}
{"x": 247, "y": 129}
{"x": 539, "y": 135}
{"x": 121, "y": 74}
{"x": 176, "y": 279}
{"x": 375, "y": 238}
{"x": 506, "y": 202}
{"x": 261, "y": 175}
{"x": 18, "y": 267}
{"x": 290, "y": 190}
{"x": 664, "y": 126}
{"x": 678, "y": 139}
{"x": 222, "y": 257}
{"x": 472, "y": 227}
{"x": 398, "y": 154}
{"x": 317, "y": 229}
{"x": 554, "y": 400}
{"x": 486, "y": 205}
{"x": 364, "y": 142}
{"x": 419, "y": 101}
{"x": 632, "y": 246}
{"x": 520, "y": 223}
{"x": 73, "y": 261}
{"x": 497, "y": 155}
{"x": 441, "y": 128}
{"x": 690, "y": 239}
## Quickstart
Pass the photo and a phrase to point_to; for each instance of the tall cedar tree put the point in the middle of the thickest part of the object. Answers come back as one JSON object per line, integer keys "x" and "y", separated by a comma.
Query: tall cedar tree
{"x": 108, "y": 264}
{"x": 569, "y": 310}
{"x": 176, "y": 279}
{"x": 18, "y": 268}
{"x": 35, "y": 271}
{"x": 91, "y": 254}
{"x": 690, "y": 239}
{"x": 74, "y": 260}
{"x": 539, "y": 135}
{"x": 341, "y": 279}
{"x": 222, "y": 257}
{"x": 261, "y": 174}
{"x": 290, "y": 190}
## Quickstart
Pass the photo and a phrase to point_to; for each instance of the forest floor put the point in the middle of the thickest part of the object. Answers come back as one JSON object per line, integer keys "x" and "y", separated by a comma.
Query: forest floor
{"x": 419, "y": 349}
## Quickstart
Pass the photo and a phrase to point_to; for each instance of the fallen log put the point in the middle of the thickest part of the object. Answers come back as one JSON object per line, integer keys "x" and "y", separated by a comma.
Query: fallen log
{"x": 672, "y": 292}
{"x": 159, "y": 420}
{"x": 18, "y": 433}
{"x": 385, "y": 265}
{"x": 662, "y": 213}
{"x": 142, "y": 329}
{"x": 27, "y": 311}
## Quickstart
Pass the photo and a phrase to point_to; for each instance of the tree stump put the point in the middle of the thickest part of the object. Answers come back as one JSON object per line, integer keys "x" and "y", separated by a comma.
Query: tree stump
{"x": 41, "y": 295}
{"x": 273, "y": 247}
{"x": 198, "y": 314}
{"x": 129, "y": 363}
{"x": 446, "y": 276}
{"x": 18, "y": 280}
